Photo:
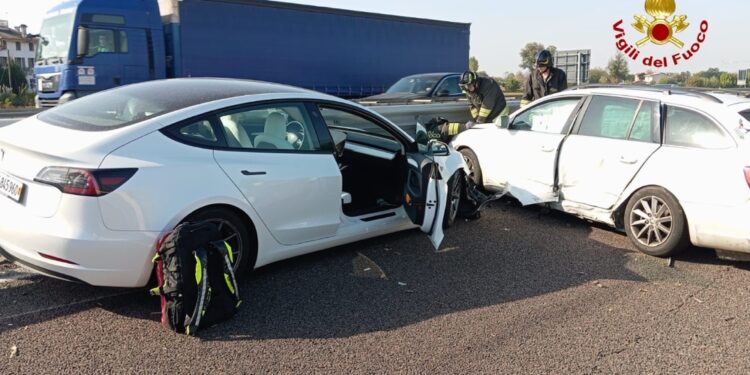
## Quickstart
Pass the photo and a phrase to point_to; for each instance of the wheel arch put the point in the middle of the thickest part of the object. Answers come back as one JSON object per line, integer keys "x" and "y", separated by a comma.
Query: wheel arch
{"x": 619, "y": 213}
{"x": 247, "y": 220}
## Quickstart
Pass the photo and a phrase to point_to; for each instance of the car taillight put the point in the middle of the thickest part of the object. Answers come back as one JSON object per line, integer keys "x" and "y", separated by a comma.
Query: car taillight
{"x": 747, "y": 176}
{"x": 87, "y": 182}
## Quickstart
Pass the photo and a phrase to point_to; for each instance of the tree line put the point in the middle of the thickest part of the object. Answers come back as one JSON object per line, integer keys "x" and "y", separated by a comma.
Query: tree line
{"x": 616, "y": 72}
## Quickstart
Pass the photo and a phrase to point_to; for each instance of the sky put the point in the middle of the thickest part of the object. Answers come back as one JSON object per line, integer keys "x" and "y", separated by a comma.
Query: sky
{"x": 500, "y": 29}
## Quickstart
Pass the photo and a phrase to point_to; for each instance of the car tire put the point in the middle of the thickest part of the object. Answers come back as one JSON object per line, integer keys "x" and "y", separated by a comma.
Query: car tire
{"x": 655, "y": 223}
{"x": 472, "y": 162}
{"x": 235, "y": 231}
{"x": 455, "y": 198}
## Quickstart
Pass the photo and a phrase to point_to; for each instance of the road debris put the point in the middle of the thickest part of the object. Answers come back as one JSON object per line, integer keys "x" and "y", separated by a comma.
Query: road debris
{"x": 13, "y": 351}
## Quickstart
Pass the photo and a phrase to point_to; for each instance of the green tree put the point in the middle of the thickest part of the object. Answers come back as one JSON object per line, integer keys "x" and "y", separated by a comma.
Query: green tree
{"x": 728, "y": 80}
{"x": 710, "y": 73}
{"x": 713, "y": 82}
{"x": 618, "y": 68}
{"x": 473, "y": 64}
{"x": 528, "y": 54}
{"x": 511, "y": 83}
{"x": 696, "y": 81}
{"x": 17, "y": 75}
{"x": 596, "y": 74}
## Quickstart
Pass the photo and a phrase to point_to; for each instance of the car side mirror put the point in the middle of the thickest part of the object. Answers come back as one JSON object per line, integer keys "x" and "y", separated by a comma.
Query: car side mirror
{"x": 437, "y": 148}
{"x": 443, "y": 93}
{"x": 339, "y": 141}
{"x": 82, "y": 41}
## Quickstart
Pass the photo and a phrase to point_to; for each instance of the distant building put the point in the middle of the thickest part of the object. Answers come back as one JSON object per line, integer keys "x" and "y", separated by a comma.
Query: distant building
{"x": 17, "y": 45}
{"x": 742, "y": 77}
{"x": 654, "y": 78}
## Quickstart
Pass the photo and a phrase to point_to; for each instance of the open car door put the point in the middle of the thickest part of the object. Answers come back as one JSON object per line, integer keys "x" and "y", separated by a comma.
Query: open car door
{"x": 426, "y": 190}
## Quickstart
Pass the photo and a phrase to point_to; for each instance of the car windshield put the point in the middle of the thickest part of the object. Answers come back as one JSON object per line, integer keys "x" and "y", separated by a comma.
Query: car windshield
{"x": 55, "y": 37}
{"x": 415, "y": 85}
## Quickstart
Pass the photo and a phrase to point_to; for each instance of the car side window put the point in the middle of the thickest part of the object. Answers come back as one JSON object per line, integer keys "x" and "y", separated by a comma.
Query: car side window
{"x": 745, "y": 114}
{"x": 608, "y": 117}
{"x": 549, "y": 117}
{"x": 449, "y": 87}
{"x": 284, "y": 127}
{"x": 691, "y": 129}
{"x": 645, "y": 124}
{"x": 198, "y": 132}
{"x": 101, "y": 41}
{"x": 342, "y": 120}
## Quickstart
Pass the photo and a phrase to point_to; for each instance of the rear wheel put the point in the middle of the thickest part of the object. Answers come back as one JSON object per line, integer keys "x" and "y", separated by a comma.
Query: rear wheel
{"x": 655, "y": 222}
{"x": 455, "y": 194}
{"x": 234, "y": 231}
{"x": 472, "y": 162}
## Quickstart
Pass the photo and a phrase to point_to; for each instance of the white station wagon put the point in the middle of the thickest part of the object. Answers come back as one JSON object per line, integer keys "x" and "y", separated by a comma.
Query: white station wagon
{"x": 668, "y": 167}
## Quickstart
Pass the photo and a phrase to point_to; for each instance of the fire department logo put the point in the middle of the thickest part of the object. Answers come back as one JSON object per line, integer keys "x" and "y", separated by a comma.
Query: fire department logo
{"x": 659, "y": 29}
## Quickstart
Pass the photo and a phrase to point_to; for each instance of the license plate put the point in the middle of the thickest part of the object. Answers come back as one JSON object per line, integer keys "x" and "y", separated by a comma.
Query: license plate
{"x": 11, "y": 187}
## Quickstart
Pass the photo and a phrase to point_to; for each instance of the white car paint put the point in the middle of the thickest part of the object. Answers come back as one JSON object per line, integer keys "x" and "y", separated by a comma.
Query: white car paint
{"x": 109, "y": 240}
{"x": 598, "y": 175}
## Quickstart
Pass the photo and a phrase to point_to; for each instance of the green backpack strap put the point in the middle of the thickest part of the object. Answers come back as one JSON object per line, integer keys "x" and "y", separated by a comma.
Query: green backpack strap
{"x": 193, "y": 321}
{"x": 225, "y": 250}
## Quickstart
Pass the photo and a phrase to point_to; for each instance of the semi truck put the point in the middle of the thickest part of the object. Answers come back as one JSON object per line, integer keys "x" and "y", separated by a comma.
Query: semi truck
{"x": 92, "y": 45}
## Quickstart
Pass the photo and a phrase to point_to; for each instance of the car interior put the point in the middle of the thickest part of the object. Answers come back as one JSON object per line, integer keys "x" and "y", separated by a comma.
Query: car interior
{"x": 373, "y": 168}
{"x": 371, "y": 161}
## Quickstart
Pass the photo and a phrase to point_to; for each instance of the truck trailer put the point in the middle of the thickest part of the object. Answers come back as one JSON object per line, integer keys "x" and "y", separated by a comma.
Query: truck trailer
{"x": 93, "y": 45}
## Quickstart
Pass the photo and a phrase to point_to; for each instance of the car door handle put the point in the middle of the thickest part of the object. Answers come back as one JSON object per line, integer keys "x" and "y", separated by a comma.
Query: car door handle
{"x": 626, "y": 160}
{"x": 548, "y": 148}
{"x": 248, "y": 173}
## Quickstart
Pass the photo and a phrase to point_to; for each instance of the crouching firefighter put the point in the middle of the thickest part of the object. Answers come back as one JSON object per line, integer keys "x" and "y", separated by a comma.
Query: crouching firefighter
{"x": 487, "y": 104}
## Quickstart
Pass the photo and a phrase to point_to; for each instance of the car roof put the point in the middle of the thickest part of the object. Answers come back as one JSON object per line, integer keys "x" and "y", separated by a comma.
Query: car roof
{"x": 678, "y": 96}
{"x": 433, "y": 74}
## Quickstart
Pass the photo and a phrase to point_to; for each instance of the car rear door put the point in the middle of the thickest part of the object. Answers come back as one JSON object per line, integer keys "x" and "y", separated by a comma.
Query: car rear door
{"x": 608, "y": 146}
{"x": 527, "y": 152}
{"x": 272, "y": 172}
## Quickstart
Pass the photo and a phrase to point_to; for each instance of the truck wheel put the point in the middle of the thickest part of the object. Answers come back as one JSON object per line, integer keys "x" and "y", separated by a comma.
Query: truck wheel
{"x": 234, "y": 231}
{"x": 475, "y": 172}
{"x": 655, "y": 223}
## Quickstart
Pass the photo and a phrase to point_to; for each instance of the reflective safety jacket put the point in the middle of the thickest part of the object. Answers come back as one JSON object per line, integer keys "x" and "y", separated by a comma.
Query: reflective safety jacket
{"x": 487, "y": 101}
{"x": 537, "y": 87}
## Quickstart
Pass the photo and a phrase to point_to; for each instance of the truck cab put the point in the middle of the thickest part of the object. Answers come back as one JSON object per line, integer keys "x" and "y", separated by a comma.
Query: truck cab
{"x": 93, "y": 45}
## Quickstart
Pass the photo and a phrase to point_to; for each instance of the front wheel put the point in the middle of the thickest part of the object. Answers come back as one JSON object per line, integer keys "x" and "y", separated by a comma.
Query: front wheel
{"x": 655, "y": 223}
{"x": 234, "y": 231}
{"x": 454, "y": 198}
{"x": 472, "y": 162}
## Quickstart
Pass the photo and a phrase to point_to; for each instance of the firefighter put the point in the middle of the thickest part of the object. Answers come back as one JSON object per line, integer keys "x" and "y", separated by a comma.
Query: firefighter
{"x": 486, "y": 100}
{"x": 544, "y": 80}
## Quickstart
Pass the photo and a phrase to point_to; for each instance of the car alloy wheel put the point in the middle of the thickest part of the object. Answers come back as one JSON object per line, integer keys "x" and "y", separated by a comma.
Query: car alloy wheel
{"x": 651, "y": 221}
{"x": 454, "y": 198}
{"x": 231, "y": 235}
{"x": 655, "y": 222}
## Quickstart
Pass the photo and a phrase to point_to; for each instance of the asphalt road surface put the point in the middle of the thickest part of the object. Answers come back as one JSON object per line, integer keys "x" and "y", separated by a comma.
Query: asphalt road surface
{"x": 519, "y": 291}
{"x": 8, "y": 121}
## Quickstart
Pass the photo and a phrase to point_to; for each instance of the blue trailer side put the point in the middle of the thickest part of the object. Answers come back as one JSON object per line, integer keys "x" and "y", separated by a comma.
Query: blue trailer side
{"x": 345, "y": 53}
{"x": 340, "y": 52}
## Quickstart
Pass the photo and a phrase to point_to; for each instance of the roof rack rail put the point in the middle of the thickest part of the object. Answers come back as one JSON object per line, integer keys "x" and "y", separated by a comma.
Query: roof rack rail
{"x": 670, "y": 90}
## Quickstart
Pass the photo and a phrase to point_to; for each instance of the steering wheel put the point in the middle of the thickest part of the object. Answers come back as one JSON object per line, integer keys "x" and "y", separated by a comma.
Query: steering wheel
{"x": 295, "y": 134}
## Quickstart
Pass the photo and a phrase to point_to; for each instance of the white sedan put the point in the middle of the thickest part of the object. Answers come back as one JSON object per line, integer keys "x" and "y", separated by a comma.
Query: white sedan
{"x": 87, "y": 188}
{"x": 668, "y": 167}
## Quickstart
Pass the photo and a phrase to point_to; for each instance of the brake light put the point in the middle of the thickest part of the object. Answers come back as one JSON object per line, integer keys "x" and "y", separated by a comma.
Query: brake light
{"x": 86, "y": 182}
{"x": 747, "y": 176}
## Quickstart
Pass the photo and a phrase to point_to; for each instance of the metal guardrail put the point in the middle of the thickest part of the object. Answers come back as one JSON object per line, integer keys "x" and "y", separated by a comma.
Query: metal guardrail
{"x": 18, "y": 113}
